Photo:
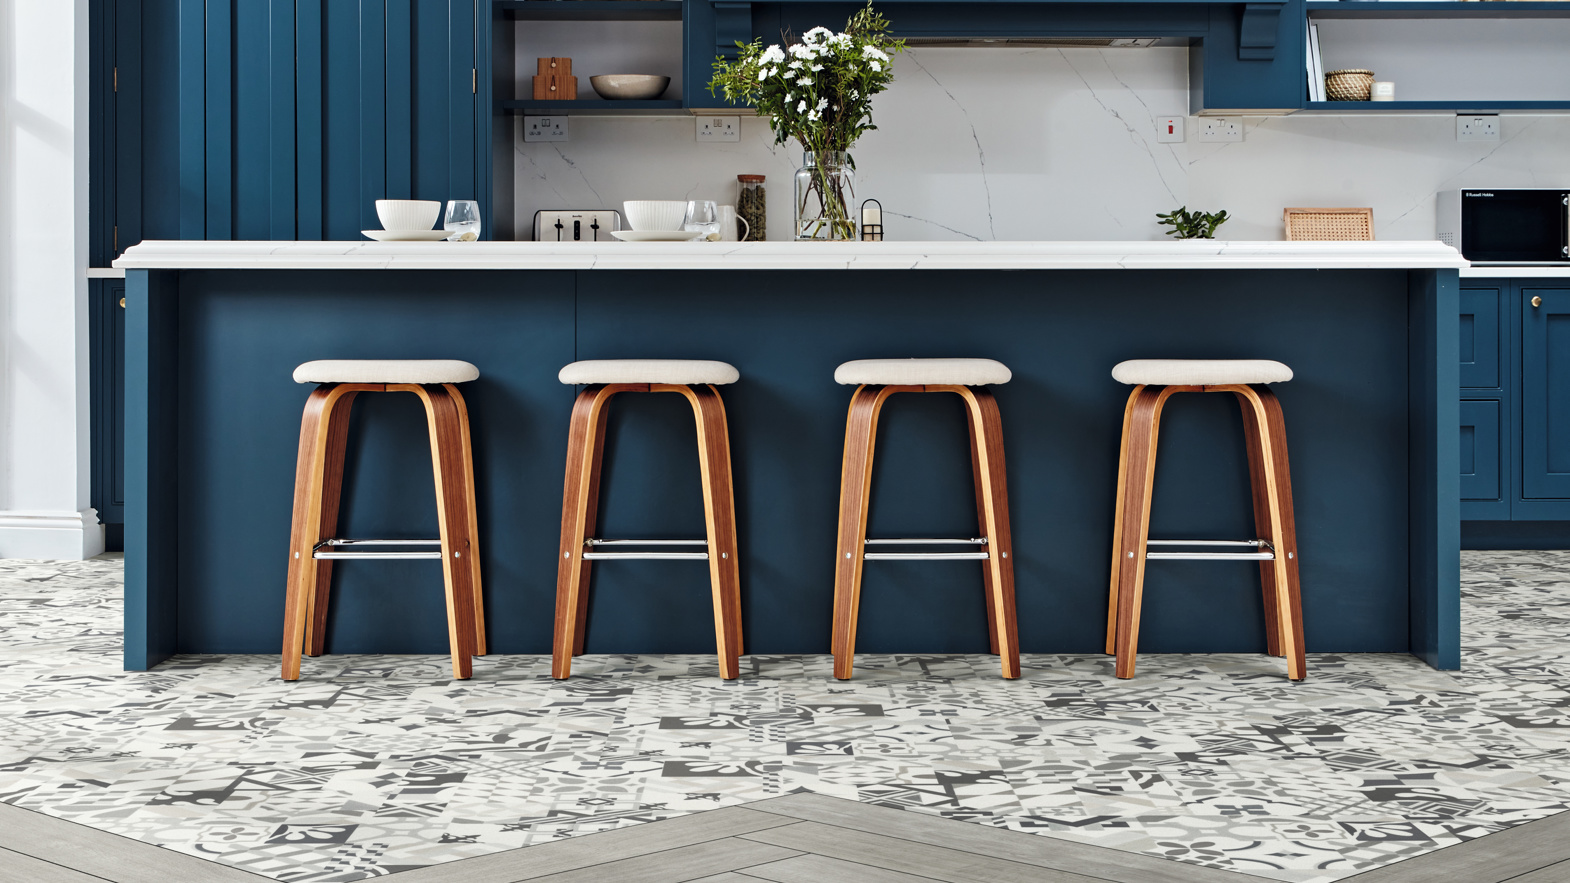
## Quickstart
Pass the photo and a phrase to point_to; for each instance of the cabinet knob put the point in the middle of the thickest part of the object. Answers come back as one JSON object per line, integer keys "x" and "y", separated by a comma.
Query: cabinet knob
{"x": 1536, "y": 301}
{"x": 122, "y": 303}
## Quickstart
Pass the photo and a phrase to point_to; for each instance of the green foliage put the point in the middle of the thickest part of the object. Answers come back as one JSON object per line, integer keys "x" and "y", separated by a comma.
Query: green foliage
{"x": 1192, "y": 225}
{"x": 818, "y": 90}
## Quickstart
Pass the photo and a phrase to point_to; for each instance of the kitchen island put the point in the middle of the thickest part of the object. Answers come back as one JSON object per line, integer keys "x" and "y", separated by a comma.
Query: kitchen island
{"x": 214, "y": 330}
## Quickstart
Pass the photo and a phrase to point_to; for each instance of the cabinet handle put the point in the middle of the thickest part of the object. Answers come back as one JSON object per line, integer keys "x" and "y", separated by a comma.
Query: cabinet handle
{"x": 1536, "y": 301}
{"x": 122, "y": 303}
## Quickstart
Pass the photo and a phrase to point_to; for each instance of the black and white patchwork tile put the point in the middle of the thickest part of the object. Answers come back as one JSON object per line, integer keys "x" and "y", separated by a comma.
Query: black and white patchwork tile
{"x": 373, "y": 765}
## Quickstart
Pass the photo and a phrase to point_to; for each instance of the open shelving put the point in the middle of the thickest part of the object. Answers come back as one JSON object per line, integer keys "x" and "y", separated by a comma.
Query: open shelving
{"x": 591, "y": 10}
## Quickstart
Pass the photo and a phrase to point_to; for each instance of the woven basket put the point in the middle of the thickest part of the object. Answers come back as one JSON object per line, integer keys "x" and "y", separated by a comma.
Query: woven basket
{"x": 1349, "y": 85}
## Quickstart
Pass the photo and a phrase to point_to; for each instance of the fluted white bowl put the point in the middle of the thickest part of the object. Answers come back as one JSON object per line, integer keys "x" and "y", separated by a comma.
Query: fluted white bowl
{"x": 400, "y": 215}
{"x": 655, "y": 214}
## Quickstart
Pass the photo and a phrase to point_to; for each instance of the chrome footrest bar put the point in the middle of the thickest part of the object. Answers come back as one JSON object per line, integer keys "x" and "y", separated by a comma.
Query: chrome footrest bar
{"x": 594, "y": 542}
{"x": 1210, "y": 556}
{"x": 324, "y": 550}
{"x": 385, "y": 556}
{"x": 972, "y": 542}
{"x": 660, "y": 556}
{"x": 1256, "y": 543}
{"x": 925, "y": 556}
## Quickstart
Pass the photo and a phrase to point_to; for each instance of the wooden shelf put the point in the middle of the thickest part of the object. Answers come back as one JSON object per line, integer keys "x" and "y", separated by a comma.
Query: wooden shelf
{"x": 591, "y": 10}
{"x": 1436, "y": 107}
{"x": 1437, "y": 9}
{"x": 597, "y": 107}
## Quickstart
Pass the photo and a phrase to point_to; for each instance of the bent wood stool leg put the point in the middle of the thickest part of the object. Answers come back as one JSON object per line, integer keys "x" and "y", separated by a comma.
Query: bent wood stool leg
{"x": 580, "y": 502}
{"x": 452, "y": 514}
{"x": 719, "y": 510}
{"x": 1117, "y": 526}
{"x": 336, "y": 440}
{"x": 1288, "y": 605}
{"x": 310, "y": 484}
{"x": 1256, "y": 436}
{"x": 978, "y": 481}
{"x": 473, "y": 521}
{"x": 1139, "y": 475}
{"x": 861, "y": 432}
{"x": 987, "y": 431}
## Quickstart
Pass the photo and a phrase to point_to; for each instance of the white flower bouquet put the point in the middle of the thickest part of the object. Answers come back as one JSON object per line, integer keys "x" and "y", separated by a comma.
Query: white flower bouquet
{"x": 818, "y": 91}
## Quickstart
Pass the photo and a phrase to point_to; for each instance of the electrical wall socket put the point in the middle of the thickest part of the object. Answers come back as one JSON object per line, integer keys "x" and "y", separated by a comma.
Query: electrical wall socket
{"x": 544, "y": 128}
{"x": 1477, "y": 127}
{"x": 1226, "y": 129}
{"x": 1169, "y": 130}
{"x": 719, "y": 128}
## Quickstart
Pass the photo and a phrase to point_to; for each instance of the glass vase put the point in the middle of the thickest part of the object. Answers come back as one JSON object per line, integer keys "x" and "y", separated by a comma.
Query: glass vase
{"x": 825, "y": 192}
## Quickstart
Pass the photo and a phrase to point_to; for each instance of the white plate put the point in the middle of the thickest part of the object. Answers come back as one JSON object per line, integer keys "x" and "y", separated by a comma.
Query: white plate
{"x": 407, "y": 235}
{"x": 657, "y": 235}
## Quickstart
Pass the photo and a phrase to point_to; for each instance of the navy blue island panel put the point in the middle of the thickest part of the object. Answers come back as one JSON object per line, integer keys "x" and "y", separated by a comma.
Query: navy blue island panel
{"x": 214, "y": 416}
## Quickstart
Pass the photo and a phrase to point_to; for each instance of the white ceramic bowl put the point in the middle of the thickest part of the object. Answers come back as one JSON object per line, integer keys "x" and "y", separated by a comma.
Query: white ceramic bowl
{"x": 655, "y": 214}
{"x": 408, "y": 214}
{"x": 629, "y": 87}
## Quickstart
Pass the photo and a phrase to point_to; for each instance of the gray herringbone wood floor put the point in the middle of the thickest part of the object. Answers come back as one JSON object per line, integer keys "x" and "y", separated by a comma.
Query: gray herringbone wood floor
{"x": 802, "y": 838}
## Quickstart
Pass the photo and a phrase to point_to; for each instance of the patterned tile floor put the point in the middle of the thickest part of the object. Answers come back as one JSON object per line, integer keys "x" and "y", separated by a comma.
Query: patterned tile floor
{"x": 379, "y": 764}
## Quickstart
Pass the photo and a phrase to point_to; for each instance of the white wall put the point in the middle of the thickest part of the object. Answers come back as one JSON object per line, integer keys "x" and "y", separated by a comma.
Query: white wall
{"x": 44, "y": 443}
{"x": 1058, "y": 144}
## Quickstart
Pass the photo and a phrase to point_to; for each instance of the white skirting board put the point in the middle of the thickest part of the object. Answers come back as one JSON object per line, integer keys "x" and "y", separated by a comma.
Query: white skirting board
{"x": 59, "y": 536}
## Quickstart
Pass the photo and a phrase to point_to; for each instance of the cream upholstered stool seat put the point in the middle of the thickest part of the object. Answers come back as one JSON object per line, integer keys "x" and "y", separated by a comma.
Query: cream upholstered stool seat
{"x": 921, "y": 372}
{"x": 1199, "y": 372}
{"x": 1274, "y": 546}
{"x": 386, "y": 371}
{"x": 313, "y": 547}
{"x": 668, "y": 371}
{"x": 696, "y": 380}
{"x": 876, "y": 380}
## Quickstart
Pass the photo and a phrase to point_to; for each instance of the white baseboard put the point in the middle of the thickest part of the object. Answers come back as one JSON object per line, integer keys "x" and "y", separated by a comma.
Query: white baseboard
{"x": 60, "y": 536}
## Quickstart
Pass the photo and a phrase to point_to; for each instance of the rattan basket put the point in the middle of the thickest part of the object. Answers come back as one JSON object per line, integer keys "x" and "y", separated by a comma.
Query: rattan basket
{"x": 1351, "y": 84}
{"x": 1329, "y": 224}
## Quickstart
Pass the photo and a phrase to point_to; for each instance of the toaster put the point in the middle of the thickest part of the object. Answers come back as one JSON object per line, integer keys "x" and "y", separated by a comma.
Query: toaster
{"x": 568, "y": 225}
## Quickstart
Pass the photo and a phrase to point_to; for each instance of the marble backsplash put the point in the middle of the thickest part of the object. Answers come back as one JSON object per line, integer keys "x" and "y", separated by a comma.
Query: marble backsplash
{"x": 1058, "y": 144}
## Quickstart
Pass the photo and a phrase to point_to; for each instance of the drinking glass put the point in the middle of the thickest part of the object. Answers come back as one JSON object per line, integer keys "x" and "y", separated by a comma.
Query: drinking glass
{"x": 463, "y": 220}
{"x": 703, "y": 216}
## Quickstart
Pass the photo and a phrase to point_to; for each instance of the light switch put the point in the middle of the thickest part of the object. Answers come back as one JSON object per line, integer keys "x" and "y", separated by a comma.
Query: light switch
{"x": 1169, "y": 130}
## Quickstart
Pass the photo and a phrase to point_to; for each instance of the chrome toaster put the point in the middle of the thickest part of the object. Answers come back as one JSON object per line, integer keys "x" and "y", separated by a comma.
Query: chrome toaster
{"x": 590, "y": 225}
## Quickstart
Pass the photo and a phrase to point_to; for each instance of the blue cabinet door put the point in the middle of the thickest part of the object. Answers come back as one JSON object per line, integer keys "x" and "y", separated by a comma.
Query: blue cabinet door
{"x": 1545, "y": 393}
{"x": 1483, "y": 481}
{"x": 295, "y": 116}
{"x": 1480, "y": 337}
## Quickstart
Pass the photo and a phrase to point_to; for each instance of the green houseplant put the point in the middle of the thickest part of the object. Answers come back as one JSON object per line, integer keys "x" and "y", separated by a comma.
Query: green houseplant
{"x": 817, "y": 90}
{"x": 1192, "y": 225}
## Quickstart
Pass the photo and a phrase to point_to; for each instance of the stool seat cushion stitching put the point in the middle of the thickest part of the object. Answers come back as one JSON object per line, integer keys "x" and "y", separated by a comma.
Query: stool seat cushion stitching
{"x": 670, "y": 371}
{"x": 386, "y": 371}
{"x": 920, "y": 372}
{"x": 1200, "y": 372}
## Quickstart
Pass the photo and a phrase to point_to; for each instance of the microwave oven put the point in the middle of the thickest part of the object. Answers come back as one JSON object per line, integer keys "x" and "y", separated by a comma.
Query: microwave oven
{"x": 1507, "y": 226}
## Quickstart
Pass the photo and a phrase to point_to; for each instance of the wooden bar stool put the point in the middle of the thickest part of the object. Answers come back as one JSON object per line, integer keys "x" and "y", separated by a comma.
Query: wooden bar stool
{"x": 1275, "y": 545}
{"x": 602, "y": 379}
{"x": 319, "y": 478}
{"x": 876, "y": 380}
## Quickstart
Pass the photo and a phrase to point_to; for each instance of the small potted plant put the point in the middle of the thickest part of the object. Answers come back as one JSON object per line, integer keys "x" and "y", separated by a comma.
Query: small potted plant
{"x": 1192, "y": 225}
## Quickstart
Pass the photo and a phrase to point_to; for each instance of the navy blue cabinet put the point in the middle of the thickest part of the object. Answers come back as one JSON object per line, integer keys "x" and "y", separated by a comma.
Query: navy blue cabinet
{"x": 287, "y": 119}
{"x": 1515, "y": 406}
{"x": 1545, "y": 395}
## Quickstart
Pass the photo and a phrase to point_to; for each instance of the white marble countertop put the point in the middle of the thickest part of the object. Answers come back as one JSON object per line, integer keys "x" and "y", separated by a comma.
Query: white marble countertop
{"x": 1171, "y": 255}
{"x": 1486, "y": 271}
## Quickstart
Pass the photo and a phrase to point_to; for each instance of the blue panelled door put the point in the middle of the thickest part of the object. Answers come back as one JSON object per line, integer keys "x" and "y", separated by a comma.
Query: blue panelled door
{"x": 1545, "y": 393}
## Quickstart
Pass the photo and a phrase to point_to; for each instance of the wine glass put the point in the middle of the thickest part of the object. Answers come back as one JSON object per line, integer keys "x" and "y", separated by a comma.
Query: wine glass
{"x": 703, "y": 216}
{"x": 463, "y": 220}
